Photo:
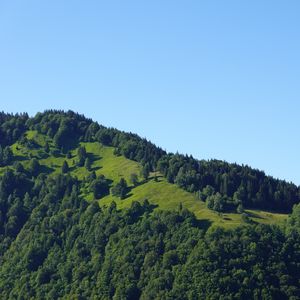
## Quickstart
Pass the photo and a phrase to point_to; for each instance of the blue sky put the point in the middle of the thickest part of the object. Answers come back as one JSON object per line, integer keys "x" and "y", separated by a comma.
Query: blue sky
{"x": 216, "y": 79}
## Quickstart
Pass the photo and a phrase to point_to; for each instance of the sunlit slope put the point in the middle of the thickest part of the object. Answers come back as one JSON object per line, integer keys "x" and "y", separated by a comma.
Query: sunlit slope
{"x": 160, "y": 193}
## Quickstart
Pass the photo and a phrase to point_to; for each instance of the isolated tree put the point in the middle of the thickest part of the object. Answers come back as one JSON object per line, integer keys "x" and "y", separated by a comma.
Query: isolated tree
{"x": 47, "y": 147}
{"x": 87, "y": 164}
{"x": 100, "y": 187}
{"x": 120, "y": 189}
{"x": 65, "y": 167}
{"x": 34, "y": 167}
{"x": 240, "y": 209}
{"x": 81, "y": 153}
{"x": 146, "y": 171}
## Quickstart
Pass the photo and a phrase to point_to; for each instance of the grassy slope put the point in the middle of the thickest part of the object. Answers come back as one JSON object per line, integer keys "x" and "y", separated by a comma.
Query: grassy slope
{"x": 161, "y": 193}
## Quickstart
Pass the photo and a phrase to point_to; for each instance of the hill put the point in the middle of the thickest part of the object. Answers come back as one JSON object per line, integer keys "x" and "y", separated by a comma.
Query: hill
{"x": 89, "y": 212}
{"x": 161, "y": 193}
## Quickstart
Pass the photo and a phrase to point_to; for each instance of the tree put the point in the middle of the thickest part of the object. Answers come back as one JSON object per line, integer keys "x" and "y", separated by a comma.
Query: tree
{"x": 120, "y": 189}
{"x": 87, "y": 164}
{"x": 134, "y": 179}
{"x": 19, "y": 167}
{"x": 215, "y": 202}
{"x": 7, "y": 156}
{"x": 81, "y": 153}
{"x": 206, "y": 192}
{"x": 240, "y": 209}
{"x": 146, "y": 171}
{"x": 34, "y": 167}
{"x": 47, "y": 147}
{"x": 65, "y": 167}
{"x": 100, "y": 187}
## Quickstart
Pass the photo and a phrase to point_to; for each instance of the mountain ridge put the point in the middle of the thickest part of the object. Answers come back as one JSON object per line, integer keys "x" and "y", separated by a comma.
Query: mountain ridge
{"x": 88, "y": 212}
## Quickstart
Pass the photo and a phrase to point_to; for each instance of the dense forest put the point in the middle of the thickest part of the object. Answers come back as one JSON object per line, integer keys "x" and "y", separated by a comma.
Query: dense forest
{"x": 56, "y": 244}
{"x": 234, "y": 183}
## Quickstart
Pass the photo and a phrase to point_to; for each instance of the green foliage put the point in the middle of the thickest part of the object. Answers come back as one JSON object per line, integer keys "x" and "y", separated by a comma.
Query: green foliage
{"x": 6, "y": 156}
{"x": 146, "y": 171}
{"x": 54, "y": 244}
{"x": 88, "y": 164}
{"x": 70, "y": 247}
{"x": 47, "y": 147}
{"x": 100, "y": 187}
{"x": 82, "y": 155}
{"x": 34, "y": 167}
{"x": 240, "y": 209}
{"x": 120, "y": 189}
{"x": 134, "y": 179}
{"x": 65, "y": 167}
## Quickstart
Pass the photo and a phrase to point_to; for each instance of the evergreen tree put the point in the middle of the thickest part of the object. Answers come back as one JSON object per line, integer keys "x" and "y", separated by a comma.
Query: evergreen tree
{"x": 82, "y": 155}
{"x": 47, "y": 147}
{"x": 34, "y": 166}
{"x": 88, "y": 164}
{"x": 120, "y": 189}
{"x": 146, "y": 171}
{"x": 65, "y": 167}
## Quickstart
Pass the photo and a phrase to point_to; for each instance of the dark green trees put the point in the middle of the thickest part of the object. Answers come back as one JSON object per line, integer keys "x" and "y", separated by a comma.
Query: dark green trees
{"x": 65, "y": 167}
{"x": 146, "y": 171}
{"x": 120, "y": 189}
{"x": 47, "y": 147}
{"x": 100, "y": 187}
{"x": 34, "y": 167}
{"x": 215, "y": 202}
{"x": 6, "y": 156}
{"x": 82, "y": 155}
{"x": 88, "y": 164}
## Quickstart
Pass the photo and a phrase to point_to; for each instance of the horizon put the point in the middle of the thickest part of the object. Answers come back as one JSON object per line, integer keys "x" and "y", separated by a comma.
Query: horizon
{"x": 203, "y": 79}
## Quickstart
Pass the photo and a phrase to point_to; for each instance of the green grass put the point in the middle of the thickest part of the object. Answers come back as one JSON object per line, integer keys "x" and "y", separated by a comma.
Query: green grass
{"x": 161, "y": 194}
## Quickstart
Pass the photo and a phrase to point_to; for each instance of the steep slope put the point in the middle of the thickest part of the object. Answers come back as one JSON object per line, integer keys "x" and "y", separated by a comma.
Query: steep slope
{"x": 159, "y": 192}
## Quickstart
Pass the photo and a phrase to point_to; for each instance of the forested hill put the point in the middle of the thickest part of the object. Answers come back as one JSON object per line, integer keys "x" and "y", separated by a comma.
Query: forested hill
{"x": 89, "y": 212}
{"x": 224, "y": 185}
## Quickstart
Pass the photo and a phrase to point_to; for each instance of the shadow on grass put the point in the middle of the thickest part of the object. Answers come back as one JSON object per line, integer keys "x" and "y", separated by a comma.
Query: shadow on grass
{"x": 158, "y": 179}
{"x": 253, "y": 215}
{"x": 128, "y": 195}
{"x": 94, "y": 169}
{"x": 93, "y": 156}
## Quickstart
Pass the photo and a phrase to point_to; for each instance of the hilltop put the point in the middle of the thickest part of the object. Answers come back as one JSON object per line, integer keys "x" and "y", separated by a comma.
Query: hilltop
{"x": 89, "y": 212}
{"x": 214, "y": 190}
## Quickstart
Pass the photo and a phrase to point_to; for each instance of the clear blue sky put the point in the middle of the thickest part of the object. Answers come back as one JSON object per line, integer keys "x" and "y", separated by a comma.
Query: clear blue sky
{"x": 216, "y": 79}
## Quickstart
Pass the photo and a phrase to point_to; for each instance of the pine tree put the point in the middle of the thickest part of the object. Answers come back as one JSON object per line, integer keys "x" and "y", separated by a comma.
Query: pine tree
{"x": 88, "y": 164}
{"x": 65, "y": 167}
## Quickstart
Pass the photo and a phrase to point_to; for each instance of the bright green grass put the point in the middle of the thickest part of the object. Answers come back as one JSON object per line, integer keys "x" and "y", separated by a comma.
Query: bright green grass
{"x": 40, "y": 139}
{"x": 161, "y": 194}
{"x": 168, "y": 196}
